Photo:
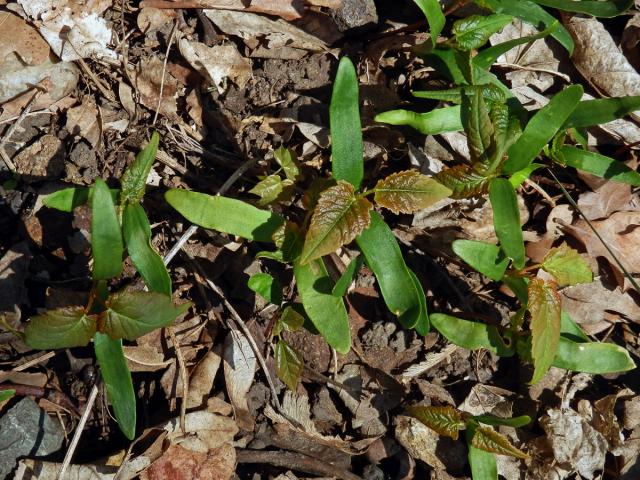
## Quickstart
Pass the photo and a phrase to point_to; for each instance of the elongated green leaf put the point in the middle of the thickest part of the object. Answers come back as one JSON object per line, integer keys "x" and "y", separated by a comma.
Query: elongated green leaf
{"x": 409, "y": 191}
{"x": 289, "y": 364}
{"x": 597, "y": 8}
{"x": 470, "y": 335}
{"x": 571, "y": 330}
{"x": 596, "y": 112}
{"x": 487, "y": 439}
{"x": 463, "y": 181}
{"x": 594, "y": 357}
{"x": 541, "y": 128}
{"x": 288, "y": 160}
{"x": 67, "y": 199}
{"x": 545, "y": 308}
{"x": 226, "y": 215}
{"x": 137, "y": 236}
{"x": 339, "y": 217}
{"x": 567, "y": 266}
{"x": 106, "y": 236}
{"x": 434, "y": 122}
{"x": 598, "y": 165}
{"x": 483, "y": 464}
{"x": 519, "y": 286}
{"x": 448, "y": 62}
{"x": 486, "y": 258}
{"x": 346, "y": 131}
{"x": 531, "y": 13}
{"x": 270, "y": 189}
{"x": 435, "y": 17}
{"x": 488, "y": 56}
{"x": 518, "y": 178}
{"x": 267, "y": 287}
{"x": 423, "y": 325}
{"x": 453, "y": 95}
{"x": 117, "y": 379}
{"x": 134, "y": 179}
{"x": 477, "y": 125}
{"x": 326, "y": 311}
{"x": 61, "y": 328}
{"x": 447, "y": 421}
{"x": 473, "y": 31}
{"x": 290, "y": 320}
{"x": 130, "y": 315}
{"x": 345, "y": 280}
{"x": 506, "y": 220}
{"x": 515, "y": 422}
{"x": 6, "y": 394}
{"x": 383, "y": 256}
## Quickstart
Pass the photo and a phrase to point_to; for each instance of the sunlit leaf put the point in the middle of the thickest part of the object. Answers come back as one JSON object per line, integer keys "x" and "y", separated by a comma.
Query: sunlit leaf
{"x": 267, "y": 287}
{"x": 67, "y": 199}
{"x": 483, "y": 464}
{"x": 515, "y": 422}
{"x": 506, "y": 220}
{"x": 594, "y": 357}
{"x": 289, "y": 364}
{"x": 473, "y": 31}
{"x": 571, "y": 330}
{"x": 134, "y": 179}
{"x": 470, "y": 335}
{"x": 477, "y": 125}
{"x": 597, "y": 8}
{"x": 339, "y": 217}
{"x": 345, "y": 280}
{"x": 463, "y": 181}
{"x": 130, "y": 315}
{"x": 601, "y": 110}
{"x": 596, "y": 164}
{"x": 288, "y": 160}
{"x": 106, "y": 235}
{"x": 487, "y": 439}
{"x": 409, "y": 191}
{"x": 486, "y": 258}
{"x": 61, "y": 328}
{"x": 436, "y": 19}
{"x": 567, "y": 266}
{"x": 290, "y": 320}
{"x": 270, "y": 188}
{"x": 6, "y": 394}
{"x": 435, "y": 122}
{"x": 447, "y": 421}
{"x": 544, "y": 305}
{"x": 519, "y": 177}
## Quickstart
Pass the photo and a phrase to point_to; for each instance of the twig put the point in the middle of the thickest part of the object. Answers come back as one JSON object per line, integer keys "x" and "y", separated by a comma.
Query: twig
{"x": 164, "y": 70}
{"x": 78, "y": 433}
{"x": 182, "y": 368}
{"x": 295, "y": 461}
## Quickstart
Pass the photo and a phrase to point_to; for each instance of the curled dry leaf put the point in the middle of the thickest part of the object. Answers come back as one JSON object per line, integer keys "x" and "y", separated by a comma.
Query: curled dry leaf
{"x": 84, "y": 121}
{"x": 409, "y": 191}
{"x": 239, "y": 369}
{"x": 339, "y": 217}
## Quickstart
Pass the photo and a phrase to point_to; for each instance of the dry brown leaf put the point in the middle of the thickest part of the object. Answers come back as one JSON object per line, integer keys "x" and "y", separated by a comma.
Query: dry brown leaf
{"x": 145, "y": 358}
{"x": 148, "y": 79}
{"x": 18, "y": 36}
{"x": 84, "y": 121}
{"x": 419, "y": 440}
{"x": 609, "y": 198}
{"x": 631, "y": 39}
{"x": 287, "y": 9}
{"x": 150, "y": 19}
{"x": 239, "y": 369}
{"x": 179, "y": 463}
{"x": 201, "y": 380}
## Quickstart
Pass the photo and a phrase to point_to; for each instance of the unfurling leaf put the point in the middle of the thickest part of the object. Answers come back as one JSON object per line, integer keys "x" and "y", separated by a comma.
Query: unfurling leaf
{"x": 478, "y": 126}
{"x": 269, "y": 189}
{"x": 288, "y": 160}
{"x": 130, "y": 315}
{"x": 134, "y": 179}
{"x": 61, "y": 328}
{"x": 289, "y": 364}
{"x": 290, "y": 320}
{"x": 447, "y": 421}
{"x": 474, "y": 31}
{"x": 463, "y": 181}
{"x": 409, "y": 191}
{"x": 338, "y": 218}
{"x": 267, "y": 287}
{"x": 544, "y": 304}
{"x": 567, "y": 266}
{"x": 489, "y": 440}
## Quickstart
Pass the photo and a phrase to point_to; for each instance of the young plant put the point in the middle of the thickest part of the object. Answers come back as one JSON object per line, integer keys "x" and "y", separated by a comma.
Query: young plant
{"x": 340, "y": 213}
{"x": 483, "y": 442}
{"x": 108, "y": 318}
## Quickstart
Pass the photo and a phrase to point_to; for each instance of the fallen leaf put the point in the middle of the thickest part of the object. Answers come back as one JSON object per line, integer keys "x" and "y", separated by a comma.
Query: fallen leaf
{"x": 287, "y": 9}
{"x": 83, "y": 120}
{"x": 239, "y": 369}
{"x": 148, "y": 80}
{"x": 16, "y": 35}
{"x": 201, "y": 380}
{"x": 150, "y": 19}
{"x": 179, "y": 463}
{"x": 609, "y": 198}
{"x": 144, "y": 358}
{"x": 419, "y": 440}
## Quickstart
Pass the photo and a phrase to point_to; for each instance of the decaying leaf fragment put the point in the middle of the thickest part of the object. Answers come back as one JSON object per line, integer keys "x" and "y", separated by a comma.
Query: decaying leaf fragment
{"x": 409, "y": 191}
{"x": 239, "y": 370}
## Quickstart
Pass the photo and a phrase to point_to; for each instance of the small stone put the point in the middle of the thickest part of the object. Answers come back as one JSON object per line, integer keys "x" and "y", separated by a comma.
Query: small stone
{"x": 356, "y": 14}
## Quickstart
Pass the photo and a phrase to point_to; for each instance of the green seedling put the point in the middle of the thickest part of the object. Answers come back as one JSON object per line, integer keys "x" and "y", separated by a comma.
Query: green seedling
{"x": 483, "y": 442}
{"x": 111, "y": 317}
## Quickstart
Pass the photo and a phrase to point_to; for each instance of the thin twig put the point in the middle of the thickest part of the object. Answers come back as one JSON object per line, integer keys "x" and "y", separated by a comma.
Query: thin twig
{"x": 182, "y": 368}
{"x": 78, "y": 433}
{"x": 164, "y": 70}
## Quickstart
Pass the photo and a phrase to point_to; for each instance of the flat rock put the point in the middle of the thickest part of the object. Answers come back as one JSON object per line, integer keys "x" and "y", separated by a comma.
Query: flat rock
{"x": 355, "y": 14}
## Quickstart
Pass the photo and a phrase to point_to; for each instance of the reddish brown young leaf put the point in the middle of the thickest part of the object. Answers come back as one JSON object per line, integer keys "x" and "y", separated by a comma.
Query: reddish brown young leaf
{"x": 463, "y": 181}
{"x": 339, "y": 217}
{"x": 487, "y": 439}
{"x": 446, "y": 421}
{"x": 409, "y": 191}
{"x": 545, "y": 307}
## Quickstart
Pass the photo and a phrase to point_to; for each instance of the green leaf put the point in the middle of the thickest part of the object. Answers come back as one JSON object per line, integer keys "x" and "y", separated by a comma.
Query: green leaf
{"x": 567, "y": 266}
{"x": 473, "y": 31}
{"x": 515, "y": 422}
{"x": 343, "y": 283}
{"x": 290, "y": 320}
{"x": 130, "y": 315}
{"x": 449, "y": 62}
{"x": 453, "y": 95}
{"x": 470, "y": 335}
{"x": 571, "y": 330}
{"x": 506, "y": 220}
{"x": 137, "y": 236}
{"x": 533, "y": 14}
{"x": 67, "y": 199}
{"x": 544, "y": 305}
{"x": 484, "y": 257}
{"x": 463, "y": 181}
{"x": 423, "y": 325}
{"x": 435, "y": 17}
{"x": 270, "y": 188}
{"x": 489, "y": 56}
{"x": 519, "y": 286}
{"x": 61, "y": 328}
{"x": 134, "y": 179}
{"x": 447, "y": 421}
{"x": 339, "y": 217}
{"x": 597, "y": 8}
{"x": 483, "y": 464}
{"x": 596, "y": 112}
{"x": 478, "y": 126}
{"x": 541, "y": 128}
{"x": 267, "y": 287}
{"x": 289, "y": 364}
{"x": 346, "y": 131}
{"x": 597, "y": 165}
{"x": 594, "y": 357}
{"x": 434, "y": 122}
{"x": 408, "y": 192}
{"x": 226, "y": 215}
{"x": 487, "y": 439}
{"x": 288, "y": 160}
{"x": 383, "y": 256}
{"x": 326, "y": 311}
{"x": 106, "y": 236}
{"x": 117, "y": 379}
{"x": 6, "y": 394}
{"x": 517, "y": 178}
